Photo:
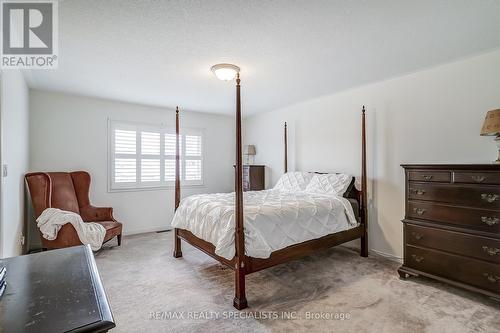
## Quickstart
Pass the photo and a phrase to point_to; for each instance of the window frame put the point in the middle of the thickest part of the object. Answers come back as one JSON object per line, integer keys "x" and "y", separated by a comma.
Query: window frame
{"x": 163, "y": 129}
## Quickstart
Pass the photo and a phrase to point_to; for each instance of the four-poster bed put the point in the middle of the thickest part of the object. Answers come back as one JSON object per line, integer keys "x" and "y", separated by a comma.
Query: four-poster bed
{"x": 243, "y": 264}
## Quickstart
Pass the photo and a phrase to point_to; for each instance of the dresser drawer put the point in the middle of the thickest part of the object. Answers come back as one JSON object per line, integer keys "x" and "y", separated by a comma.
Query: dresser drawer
{"x": 477, "y": 219}
{"x": 455, "y": 242}
{"x": 477, "y": 177}
{"x": 477, "y": 196}
{"x": 430, "y": 176}
{"x": 470, "y": 271}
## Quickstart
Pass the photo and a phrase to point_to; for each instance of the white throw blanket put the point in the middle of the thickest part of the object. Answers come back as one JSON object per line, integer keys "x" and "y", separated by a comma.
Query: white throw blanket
{"x": 52, "y": 219}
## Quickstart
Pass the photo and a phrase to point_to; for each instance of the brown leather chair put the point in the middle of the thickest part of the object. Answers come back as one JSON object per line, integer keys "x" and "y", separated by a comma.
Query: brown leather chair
{"x": 69, "y": 191}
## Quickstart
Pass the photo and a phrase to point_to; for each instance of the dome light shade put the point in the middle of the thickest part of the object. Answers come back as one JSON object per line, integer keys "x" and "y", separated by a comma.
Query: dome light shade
{"x": 225, "y": 72}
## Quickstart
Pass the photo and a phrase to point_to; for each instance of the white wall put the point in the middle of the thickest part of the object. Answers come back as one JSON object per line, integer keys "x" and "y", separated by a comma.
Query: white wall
{"x": 14, "y": 153}
{"x": 70, "y": 133}
{"x": 433, "y": 116}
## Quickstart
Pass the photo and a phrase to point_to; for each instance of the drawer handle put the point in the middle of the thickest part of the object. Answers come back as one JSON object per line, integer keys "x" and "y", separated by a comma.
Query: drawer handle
{"x": 417, "y": 258}
{"x": 427, "y": 177}
{"x": 492, "y": 251}
{"x": 478, "y": 179}
{"x": 490, "y": 197}
{"x": 491, "y": 221}
{"x": 492, "y": 278}
{"x": 417, "y": 235}
{"x": 419, "y": 211}
{"x": 418, "y": 191}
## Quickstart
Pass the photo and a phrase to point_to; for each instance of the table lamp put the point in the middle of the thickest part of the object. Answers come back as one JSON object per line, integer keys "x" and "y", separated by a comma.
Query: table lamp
{"x": 248, "y": 151}
{"x": 491, "y": 127}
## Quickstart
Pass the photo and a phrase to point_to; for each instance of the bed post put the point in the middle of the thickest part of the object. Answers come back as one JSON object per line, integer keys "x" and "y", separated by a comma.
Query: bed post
{"x": 364, "y": 194}
{"x": 177, "y": 240}
{"x": 286, "y": 148}
{"x": 240, "y": 301}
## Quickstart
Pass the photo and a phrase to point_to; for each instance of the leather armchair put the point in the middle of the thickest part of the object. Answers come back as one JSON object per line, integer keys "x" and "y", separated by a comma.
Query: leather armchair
{"x": 69, "y": 191}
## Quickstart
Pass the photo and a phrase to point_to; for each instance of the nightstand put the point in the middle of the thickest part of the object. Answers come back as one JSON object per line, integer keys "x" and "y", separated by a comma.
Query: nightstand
{"x": 254, "y": 177}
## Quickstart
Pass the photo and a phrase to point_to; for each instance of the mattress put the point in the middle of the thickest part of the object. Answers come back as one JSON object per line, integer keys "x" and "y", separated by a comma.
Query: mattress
{"x": 273, "y": 219}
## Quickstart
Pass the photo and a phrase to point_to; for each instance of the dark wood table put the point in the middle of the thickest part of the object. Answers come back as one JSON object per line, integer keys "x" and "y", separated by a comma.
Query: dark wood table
{"x": 54, "y": 291}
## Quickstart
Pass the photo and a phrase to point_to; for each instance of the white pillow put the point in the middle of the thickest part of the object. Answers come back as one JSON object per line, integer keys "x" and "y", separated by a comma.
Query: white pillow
{"x": 331, "y": 183}
{"x": 293, "y": 181}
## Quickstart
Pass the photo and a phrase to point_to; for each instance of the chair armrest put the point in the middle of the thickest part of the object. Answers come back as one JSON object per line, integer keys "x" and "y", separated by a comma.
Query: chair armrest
{"x": 66, "y": 237}
{"x": 96, "y": 214}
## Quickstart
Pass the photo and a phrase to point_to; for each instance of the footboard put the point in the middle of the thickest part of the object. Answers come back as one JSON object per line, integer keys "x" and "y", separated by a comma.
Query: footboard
{"x": 303, "y": 249}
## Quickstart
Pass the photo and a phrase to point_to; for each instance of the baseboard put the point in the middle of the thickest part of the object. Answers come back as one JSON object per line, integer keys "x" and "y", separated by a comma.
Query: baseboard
{"x": 144, "y": 230}
{"x": 375, "y": 253}
{"x": 387, "y": 256}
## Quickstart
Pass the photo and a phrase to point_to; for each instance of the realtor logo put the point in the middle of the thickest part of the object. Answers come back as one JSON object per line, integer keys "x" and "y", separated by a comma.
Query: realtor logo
{"x": 29, "y": 34}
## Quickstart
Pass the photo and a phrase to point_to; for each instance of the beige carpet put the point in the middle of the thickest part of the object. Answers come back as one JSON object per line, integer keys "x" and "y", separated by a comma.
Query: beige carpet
{"x": 150, "y": 291}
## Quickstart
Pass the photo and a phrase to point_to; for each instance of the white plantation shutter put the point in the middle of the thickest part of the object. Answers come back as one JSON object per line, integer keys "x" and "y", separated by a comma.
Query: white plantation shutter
{"x": 170, "y": 170}
{"x": 150, "y": 157}
{"x": 170, "y": 144}
{"x": 125, "y": 142}
{"x": 170, "y": 156}
{"x": 150, "y": 143}
{"x": 193, "y": 157}
{"x": 150, "y": 170}
{"x": 193, "y": 170}
{"x": 125, "y": 155}
{"x": 125, "y": 170}
{"x": 143, "y": 156}
{"x": 193, "y": 145}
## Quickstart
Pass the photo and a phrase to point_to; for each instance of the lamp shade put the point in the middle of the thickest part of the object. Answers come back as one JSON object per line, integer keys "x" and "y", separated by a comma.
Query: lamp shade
{"x": 491, "y": 125}
{"x": 249, "y": 150}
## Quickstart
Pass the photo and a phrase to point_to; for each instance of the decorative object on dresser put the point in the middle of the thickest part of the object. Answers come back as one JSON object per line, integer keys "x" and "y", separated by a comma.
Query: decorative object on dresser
{"x": 254, "y": 178}
{"x": 249, "y": 152}
{"x": 491, "y": 127}
{"x": 452, "y": 225}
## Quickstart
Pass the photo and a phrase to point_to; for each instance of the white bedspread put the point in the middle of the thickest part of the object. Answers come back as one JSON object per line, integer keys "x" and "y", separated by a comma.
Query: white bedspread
{"x": 274, "y": 219}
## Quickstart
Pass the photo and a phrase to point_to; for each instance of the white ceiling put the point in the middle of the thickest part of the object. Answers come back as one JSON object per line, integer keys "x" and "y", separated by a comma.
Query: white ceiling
{"x": 160, "y": 52}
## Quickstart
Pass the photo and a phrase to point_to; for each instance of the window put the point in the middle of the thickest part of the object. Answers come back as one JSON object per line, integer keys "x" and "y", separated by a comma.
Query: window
{"x": 143, "y": 156}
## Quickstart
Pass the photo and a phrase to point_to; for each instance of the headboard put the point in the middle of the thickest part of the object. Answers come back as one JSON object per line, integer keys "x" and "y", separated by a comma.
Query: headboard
{"x": 351, "y": 192}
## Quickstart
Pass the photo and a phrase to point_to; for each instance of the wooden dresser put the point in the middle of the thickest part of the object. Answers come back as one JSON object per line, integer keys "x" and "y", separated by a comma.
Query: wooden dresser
{"x": 452, "y": 225}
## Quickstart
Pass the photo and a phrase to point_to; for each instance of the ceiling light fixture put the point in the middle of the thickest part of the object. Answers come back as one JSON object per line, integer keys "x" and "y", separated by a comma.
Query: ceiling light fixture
{"x": 225, "y": 72}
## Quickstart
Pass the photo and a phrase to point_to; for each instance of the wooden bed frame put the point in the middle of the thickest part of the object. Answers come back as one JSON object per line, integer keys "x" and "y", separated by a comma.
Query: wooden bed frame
{"x": 242, "y": 264}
